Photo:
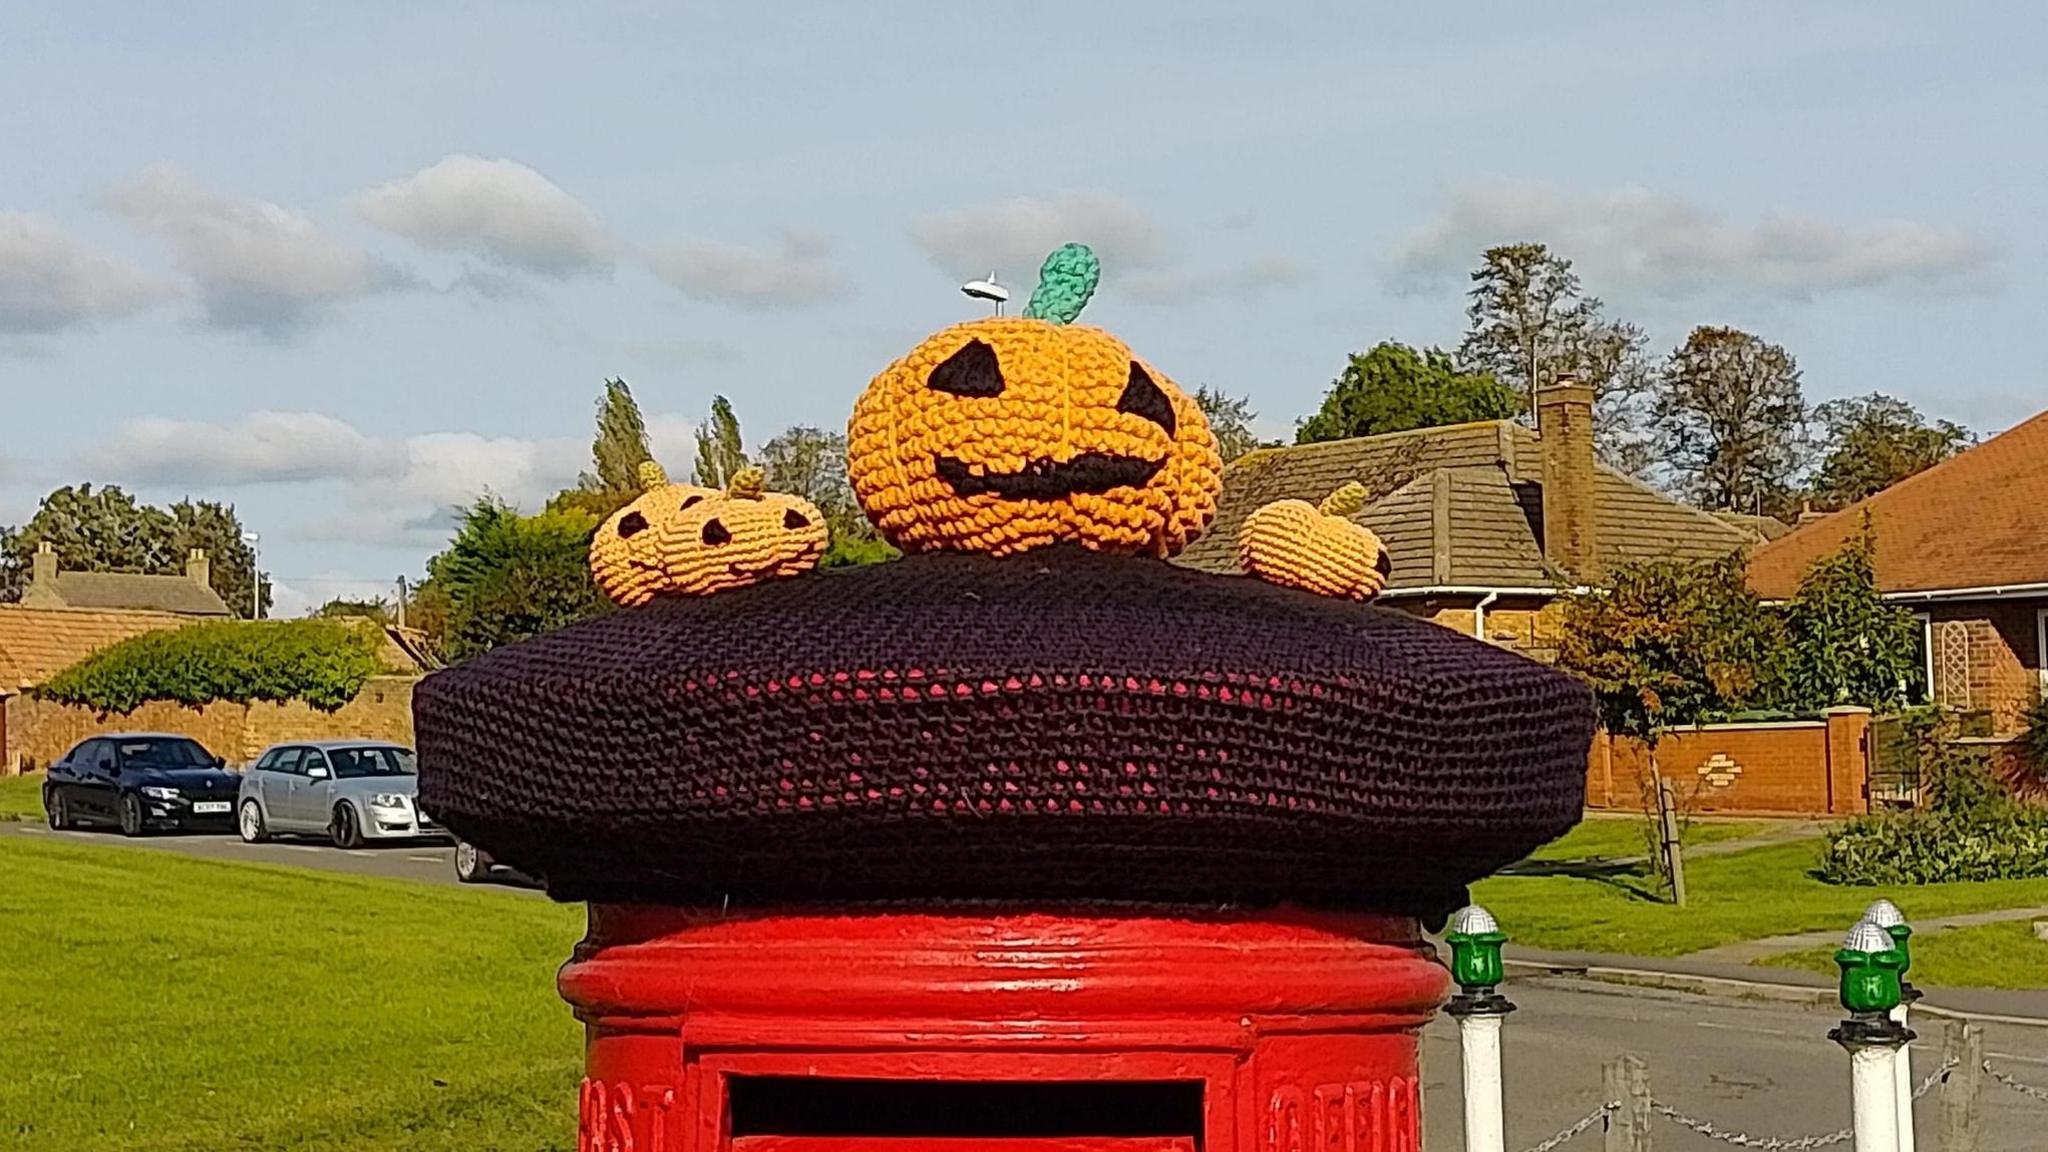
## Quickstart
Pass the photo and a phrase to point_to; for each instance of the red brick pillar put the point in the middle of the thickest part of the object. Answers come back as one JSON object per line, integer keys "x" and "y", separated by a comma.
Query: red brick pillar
{"x": 1848, "y": 761}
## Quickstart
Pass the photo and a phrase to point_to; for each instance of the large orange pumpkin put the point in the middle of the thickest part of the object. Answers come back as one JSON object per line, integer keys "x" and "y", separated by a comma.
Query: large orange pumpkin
{"x": 1012, "y": 433}
{"x": 686, "y": 540}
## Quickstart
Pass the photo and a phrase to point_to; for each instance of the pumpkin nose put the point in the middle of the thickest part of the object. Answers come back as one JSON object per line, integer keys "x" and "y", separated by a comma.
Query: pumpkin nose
{"x": 794, "y": 520}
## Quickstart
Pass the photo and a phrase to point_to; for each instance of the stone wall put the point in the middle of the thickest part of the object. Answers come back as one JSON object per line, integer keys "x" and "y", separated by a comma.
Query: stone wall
{"x": 1805, "y": 768}
{"x": 39, "y": 731}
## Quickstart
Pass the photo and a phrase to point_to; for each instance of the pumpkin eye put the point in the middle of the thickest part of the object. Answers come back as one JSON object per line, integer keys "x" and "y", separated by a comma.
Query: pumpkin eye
{"x": 632, "y": 524}
{"x": 1384, "y": 565}
{"x": 972, "y": 371}
{"x": 715, "y": 533}
{"x": 693, "y": 499}
{"x": 1143, "y": 398}
{"x": 794, "y": 520}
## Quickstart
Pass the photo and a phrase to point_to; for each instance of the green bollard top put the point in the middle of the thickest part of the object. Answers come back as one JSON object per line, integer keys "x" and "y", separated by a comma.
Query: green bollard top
{"x": 1475, "y": 939}
{"x": 1871, "y": 964}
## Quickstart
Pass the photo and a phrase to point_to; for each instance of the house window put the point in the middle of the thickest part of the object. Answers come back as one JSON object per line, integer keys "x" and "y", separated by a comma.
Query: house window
{"x": 1926, "y": 692}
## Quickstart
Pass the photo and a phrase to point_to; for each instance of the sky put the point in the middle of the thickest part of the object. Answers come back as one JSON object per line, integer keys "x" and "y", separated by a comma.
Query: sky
{"x": 350, "y": 266}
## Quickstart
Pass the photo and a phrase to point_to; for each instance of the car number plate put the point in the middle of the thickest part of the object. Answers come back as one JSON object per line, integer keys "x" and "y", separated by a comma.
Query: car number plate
{"x": 209, "y": 807}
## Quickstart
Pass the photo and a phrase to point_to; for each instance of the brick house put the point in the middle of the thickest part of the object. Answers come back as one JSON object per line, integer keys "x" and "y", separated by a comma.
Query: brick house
{"x": 1965, "y": 545}
{"x": 1486, "y": 523}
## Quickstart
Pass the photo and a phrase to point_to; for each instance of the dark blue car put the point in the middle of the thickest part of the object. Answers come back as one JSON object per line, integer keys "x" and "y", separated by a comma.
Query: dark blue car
{"x": 140, "y": 782}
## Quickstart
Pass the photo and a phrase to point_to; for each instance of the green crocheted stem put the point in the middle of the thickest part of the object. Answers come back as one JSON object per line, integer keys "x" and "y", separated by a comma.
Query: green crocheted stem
{"x": 1065, "y": 282}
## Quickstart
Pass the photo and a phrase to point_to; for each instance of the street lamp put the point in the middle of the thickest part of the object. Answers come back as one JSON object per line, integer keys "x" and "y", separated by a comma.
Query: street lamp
{"x": 987, "y": 290}
{"x": 253, "y": 540}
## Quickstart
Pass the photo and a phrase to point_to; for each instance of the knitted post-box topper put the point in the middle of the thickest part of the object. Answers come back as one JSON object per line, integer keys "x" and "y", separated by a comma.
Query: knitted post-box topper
{"x": 686, "y": 540}
{"x": 1317, "y": 548}
{"x": 1013, "y": 433}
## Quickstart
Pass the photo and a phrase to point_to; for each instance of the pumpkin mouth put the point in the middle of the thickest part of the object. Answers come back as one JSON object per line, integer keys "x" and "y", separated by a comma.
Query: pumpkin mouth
{"x": 1092, "y": 473}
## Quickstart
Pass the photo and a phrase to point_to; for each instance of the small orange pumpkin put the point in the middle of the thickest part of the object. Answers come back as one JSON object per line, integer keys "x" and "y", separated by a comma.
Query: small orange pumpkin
{"x": 686, "y": 540}
{"x": 1012, "y": 433}
{"x": 1317, "y": 548}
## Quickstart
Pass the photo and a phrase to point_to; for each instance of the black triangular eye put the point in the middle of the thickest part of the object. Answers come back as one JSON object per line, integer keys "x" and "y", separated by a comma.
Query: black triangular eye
{"x": 1384, "y": 565}
{"x": 632, "y": 524}
{"x": 689, "y": 500}
{"x": 715, "y": 533}
{"x": 1143, "y": 398}
{"x": 972, "y": 371}
{"x": 794, "y": 520}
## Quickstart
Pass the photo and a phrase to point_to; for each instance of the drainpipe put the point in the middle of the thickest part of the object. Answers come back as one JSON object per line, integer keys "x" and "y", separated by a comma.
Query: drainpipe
{"x": 1479, "y": 613}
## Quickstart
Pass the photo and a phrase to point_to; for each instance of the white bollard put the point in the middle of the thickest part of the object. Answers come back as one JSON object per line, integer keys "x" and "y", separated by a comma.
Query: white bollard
{"x": 1886, "y": 915}
{"x": 1872, "y": 1109}
{"x": 1902, "y": 1084}
{"x": 1479, "y": 1047}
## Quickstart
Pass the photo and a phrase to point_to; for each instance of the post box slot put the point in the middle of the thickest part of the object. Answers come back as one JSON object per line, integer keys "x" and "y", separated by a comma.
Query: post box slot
{"x": 819, "y": 1106}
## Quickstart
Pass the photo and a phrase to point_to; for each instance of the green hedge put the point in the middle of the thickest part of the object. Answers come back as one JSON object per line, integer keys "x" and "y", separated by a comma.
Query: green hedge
{"x": 2009, "y": 843}
{"x": 323, "y": 662}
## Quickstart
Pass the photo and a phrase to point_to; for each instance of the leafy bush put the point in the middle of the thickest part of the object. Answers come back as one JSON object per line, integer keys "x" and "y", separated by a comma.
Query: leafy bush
{"x": 2027, "y": 760}
{"x": 323, "y": 662}
{"x": 1932, "y": 847}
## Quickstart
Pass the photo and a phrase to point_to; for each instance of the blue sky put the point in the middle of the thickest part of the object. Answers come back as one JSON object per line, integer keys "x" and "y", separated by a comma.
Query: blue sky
{"x": 347, "y": 265}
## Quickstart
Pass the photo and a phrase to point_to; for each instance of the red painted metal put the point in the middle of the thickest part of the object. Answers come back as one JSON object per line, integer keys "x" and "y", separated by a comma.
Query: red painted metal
{"x": 1295, "y": 1032}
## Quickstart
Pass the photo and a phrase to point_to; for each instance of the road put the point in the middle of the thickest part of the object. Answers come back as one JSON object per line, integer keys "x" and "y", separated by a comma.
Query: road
{"x": 1760, "y": 1067}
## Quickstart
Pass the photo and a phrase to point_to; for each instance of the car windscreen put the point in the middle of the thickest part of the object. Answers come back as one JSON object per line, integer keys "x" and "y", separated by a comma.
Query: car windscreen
{"x": 350, "y": 763}
{"x": 163, "y": 752}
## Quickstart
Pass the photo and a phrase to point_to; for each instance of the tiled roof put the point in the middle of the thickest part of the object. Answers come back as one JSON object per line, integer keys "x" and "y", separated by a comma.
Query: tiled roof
{"x": 1765, "y": 527}
{"x": 1976, "y": 520}
{"x": 129, "y": 591}
{"x": 38, "y": 643}
{"x": 1460, "y": 505}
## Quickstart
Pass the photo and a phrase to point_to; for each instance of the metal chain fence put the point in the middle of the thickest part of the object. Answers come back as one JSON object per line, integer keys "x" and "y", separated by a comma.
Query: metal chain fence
{"x": 2023, "y": 1089}
{"x": 1708, "y": 1129}
{"x": 1571, "y": 1132}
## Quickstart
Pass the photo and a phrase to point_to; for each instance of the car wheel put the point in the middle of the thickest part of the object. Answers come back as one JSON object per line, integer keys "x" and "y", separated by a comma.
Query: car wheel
{"x": 472, "y": 864}
{"x": 132, "y": 823}
{"x": 250, "y": 823}
{"x": 58, "y": 811}
{"x": 346, "y": 830}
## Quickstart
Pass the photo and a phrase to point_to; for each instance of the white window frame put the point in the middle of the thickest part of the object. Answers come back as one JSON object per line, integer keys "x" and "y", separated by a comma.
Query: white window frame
{"x": 2041, "y": 638}
{"x": 1927, "y": 654}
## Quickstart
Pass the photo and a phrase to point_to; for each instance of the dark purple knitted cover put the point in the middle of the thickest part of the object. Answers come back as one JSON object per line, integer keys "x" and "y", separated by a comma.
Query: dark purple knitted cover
{"x": 1056, "y": 726}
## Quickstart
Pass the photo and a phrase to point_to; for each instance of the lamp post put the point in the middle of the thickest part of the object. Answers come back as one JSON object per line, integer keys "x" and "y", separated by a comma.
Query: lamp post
{"x": 1871, "y": 962}
{"x": 987, "y": 290}
{"x": 1886, "y": 915}
{"x": 1476, "y": 939}
{"x": 253, "y": 540}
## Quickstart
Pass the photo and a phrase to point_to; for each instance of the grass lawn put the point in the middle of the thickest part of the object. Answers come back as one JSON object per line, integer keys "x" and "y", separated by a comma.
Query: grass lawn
{"x": 1608, "y": 837}
{"x": 1740, "y": 896}
{"x": 152, "y": 1001}
{"x": 1983, "y": 956}
{"x": 21, "y": 797}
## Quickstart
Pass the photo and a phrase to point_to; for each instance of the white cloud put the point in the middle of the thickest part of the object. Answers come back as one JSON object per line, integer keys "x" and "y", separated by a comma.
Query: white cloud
{"x": 50, "y": 280}
{"x": 257, "y": 266}
{"x": 394, "y": 491}
{"x": 1013, "y": 237}
{"x": 1636, "y": 241}
{"x": 799, "y": 273}
{"x": 501, "y": 210}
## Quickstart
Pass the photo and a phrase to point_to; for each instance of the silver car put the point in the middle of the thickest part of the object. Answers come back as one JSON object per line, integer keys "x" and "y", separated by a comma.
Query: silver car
{"x": 350, "y": 791}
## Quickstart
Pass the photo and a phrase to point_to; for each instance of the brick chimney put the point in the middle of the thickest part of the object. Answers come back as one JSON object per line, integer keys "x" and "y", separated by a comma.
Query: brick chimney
{"x": 1564, "y": 421}
{"x": 43, "y": 571}
{"x": 198, "y": 569}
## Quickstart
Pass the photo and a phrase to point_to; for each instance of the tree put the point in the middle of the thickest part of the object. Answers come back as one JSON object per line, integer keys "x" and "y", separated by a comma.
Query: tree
{"x": 620, "y": 445}
{"x": 1729, "y": 416}
{"x": 508, "y": 577}
{"x": 1845, "y": 643}
{"x": 807, "y": 462}
{"x": 1525, "y": 322}
{"x": 1612, "y": 359}
{"x": 231, "y": 563}
{"x": 1394, "y": 388}
{"x": 1230, "y": 419}
{"x": 1869, "y": 443}
{"x": 13, "y": 573}
{"x": 344, "y": 608}
{"x": 720, "y": 454}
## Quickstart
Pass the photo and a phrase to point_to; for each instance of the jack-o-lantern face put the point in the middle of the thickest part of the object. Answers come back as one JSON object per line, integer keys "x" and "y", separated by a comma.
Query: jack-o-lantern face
{"x": 1317, "y": 548}
{"x": 686, "y": 540}
{"x": 1006, "y": 434}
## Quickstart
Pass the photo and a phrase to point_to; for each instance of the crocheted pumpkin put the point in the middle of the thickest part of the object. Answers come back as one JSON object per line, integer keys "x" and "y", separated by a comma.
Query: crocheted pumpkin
{"x": 1012, "y": 433}
{"x": 682, "y": 539}
{"x": 1317, "y": 548}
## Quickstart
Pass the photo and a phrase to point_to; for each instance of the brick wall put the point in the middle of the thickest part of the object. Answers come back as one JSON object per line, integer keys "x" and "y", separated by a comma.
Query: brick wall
{"x": 39, "y": 731}
{"x": 1523, "y": 624}
{"x": 1813, "y": 768}
{"x": 2003, "y": 655}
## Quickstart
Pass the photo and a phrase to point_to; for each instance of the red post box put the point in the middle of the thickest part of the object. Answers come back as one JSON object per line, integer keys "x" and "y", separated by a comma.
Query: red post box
{"x": 1024, "y": 1032}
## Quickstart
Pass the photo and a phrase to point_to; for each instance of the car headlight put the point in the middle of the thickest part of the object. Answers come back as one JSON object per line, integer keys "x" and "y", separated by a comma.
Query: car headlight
{"x": 155, "y": 793}
{"x": 388, "y": 800}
